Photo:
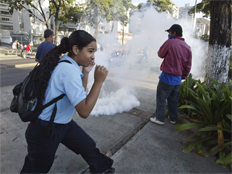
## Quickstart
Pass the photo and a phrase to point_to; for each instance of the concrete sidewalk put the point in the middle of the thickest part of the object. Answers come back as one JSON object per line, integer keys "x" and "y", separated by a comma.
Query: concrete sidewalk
{"x": 137, "y": 145}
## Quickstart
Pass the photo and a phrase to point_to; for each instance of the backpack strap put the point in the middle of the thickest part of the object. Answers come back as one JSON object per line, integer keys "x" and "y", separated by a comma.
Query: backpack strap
{"x": 55, "y": 107}
{"x": 59, "y": 97}
{"x": 53, "y": 101}
{"x": 67, "y": 61}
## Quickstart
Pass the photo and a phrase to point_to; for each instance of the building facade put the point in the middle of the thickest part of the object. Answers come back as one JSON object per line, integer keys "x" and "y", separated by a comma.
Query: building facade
{"x": 202, "y": 26}
{"x": 183, "y": 12}
{"x": 6, "y": 23}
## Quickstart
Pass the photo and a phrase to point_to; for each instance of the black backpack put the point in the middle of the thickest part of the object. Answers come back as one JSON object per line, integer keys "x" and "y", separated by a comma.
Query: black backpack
{"x": 25, "y": 101}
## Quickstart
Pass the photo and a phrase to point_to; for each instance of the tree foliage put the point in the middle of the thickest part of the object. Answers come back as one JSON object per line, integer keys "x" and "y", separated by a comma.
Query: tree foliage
{"x": 203, "y": 6}
{"x": 109, "y": 10}
{"x": 70, "y": 13}
{"x": 205, "y": 37}
{"x": 123, "y": 14}
{"x": 56, "y": 8}
{"x": 96, "y": 11}
{"x": 159, "y": 5}
{"x": 33, "y": 5}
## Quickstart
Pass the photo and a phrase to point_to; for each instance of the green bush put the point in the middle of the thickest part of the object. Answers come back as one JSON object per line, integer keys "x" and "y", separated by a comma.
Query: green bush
{"x": 230, "y": 68}
{"x": 205, "y": 37}
{"x": 211, "y": 107}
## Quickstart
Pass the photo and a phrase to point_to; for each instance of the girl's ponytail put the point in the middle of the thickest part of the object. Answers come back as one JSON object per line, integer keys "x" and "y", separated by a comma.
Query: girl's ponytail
{"x": 64, "y": 45}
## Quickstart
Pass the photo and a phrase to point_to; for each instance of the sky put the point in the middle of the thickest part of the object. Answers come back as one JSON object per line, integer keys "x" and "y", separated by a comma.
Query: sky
{"x": 179, "y": 3}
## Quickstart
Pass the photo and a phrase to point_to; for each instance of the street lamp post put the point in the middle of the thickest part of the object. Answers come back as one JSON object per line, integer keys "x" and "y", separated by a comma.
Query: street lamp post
{"x": 194, "y": 20}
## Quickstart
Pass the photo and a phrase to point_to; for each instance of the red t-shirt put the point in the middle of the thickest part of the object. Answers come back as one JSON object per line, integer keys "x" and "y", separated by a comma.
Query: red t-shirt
{"x": 28, "y": 47}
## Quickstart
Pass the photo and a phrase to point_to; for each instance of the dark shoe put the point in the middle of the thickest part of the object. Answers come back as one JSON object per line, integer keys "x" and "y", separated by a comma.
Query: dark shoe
{"x": 172, "y": 122}
{"x": 111, "y": 170}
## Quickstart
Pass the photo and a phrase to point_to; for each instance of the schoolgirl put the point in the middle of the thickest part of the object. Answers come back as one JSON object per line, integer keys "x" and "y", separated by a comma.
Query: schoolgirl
{"x": 67, "y": 78}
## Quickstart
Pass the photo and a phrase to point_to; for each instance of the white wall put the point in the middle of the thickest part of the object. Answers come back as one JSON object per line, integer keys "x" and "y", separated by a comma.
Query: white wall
{"x": 26, "y": 21}
{"x": 15, "y": 20}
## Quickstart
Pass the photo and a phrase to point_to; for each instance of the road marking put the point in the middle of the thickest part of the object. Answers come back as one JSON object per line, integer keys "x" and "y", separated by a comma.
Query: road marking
{"x": 25, "y": 65}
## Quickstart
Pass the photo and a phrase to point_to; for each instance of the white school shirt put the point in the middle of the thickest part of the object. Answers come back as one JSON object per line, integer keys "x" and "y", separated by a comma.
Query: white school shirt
{"x": 65, "y": 79}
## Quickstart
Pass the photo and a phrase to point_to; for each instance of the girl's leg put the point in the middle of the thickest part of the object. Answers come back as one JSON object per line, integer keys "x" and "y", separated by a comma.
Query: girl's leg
{"x": 80, "y": 142}
{"x": 41, "y": 147}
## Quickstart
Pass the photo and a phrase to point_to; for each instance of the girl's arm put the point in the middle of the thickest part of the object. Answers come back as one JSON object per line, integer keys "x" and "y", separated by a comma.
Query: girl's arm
{"x": 85, "y": 79}
{"x": 85, "y": 71}
{"x": 85, "y": 107}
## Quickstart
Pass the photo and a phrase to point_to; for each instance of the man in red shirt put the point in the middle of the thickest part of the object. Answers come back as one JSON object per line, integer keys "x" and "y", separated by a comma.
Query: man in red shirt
{"x": 28, "y": 49}
{"x": 176, "y": 65}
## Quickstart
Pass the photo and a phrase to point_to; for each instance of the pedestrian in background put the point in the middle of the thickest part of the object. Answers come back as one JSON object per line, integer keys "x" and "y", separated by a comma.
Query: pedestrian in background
{"x": 45, "y": 46}
{"x": 28, "y": 49}
{"x": 18, "y": 46}
{"x": 176, "y": 65}
{"x": 14, "y": 45}
{"x": 67, "y": 78}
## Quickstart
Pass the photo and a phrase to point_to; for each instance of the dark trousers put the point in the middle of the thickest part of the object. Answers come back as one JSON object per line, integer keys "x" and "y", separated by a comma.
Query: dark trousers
{"x": 171, "y": 93}
{"x": 42, "y": 147}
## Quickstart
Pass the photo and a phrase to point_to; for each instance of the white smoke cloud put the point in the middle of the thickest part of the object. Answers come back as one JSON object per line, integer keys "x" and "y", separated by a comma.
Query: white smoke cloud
{"x": 140, "y": 59}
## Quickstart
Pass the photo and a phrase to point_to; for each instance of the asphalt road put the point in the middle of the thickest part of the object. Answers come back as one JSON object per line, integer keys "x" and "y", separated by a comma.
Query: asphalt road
{"x": 13, "y": 76}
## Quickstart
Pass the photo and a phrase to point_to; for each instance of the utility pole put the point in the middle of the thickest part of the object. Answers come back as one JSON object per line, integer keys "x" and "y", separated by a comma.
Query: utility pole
{"x": 194, "y": 20}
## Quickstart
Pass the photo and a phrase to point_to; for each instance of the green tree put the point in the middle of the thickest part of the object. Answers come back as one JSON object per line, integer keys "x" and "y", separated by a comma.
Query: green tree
{"x": 205, "y": 37}
{"x": 159, "y": 5}
{"x": 220, "y": 37}
{"x": 70, "y": 13}
{"x": 123, "y": 15}
{"x": 96, "y": 11}
{"x": 203, "y": 6}
{"x": 35, "y": 5}
{"x": 112, "y": 13}
{"x": 55, "y": 7}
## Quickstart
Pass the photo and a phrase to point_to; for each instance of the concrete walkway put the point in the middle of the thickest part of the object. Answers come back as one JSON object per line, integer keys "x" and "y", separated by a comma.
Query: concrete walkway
{"x": 137, "y": 145}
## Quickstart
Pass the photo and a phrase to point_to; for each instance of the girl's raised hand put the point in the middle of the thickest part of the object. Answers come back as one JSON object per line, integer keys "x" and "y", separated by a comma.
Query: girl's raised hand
{"x": 100, "y": 73}
{"x": 89, "y": 68}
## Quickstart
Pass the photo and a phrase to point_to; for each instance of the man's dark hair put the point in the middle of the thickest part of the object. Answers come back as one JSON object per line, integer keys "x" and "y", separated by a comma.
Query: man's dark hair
{"x": 48, "y": 33}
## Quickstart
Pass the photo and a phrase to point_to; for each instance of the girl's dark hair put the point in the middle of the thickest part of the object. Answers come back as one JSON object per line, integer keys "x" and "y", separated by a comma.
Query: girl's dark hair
{"x": 50, "y": 60}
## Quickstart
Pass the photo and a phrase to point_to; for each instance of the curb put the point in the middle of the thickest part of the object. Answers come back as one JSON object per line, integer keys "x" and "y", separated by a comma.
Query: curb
{"x": 18, "y": 66}
{"x": 7, "y": 58}
{"x": 137, "y": 113}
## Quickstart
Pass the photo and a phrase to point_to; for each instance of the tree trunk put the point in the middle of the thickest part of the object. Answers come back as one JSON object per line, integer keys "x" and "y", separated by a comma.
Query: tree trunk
{"x": 80, "y": 23}
{"x": 123, "y": 35}
{"x": 96, "y": 25}
{"x": 220, "y": 41}
{"x": 96, "y": 32}
{"x": 112, "y": 28}
{"x": 57, "y": 27}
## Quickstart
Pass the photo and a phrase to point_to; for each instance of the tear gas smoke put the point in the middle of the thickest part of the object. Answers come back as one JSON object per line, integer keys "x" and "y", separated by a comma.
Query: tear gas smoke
{"x": 149, "y": 34}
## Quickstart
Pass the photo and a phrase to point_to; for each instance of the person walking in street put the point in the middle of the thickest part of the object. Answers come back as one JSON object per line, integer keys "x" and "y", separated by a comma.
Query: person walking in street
{"x": 18, "y": 46}
{"x": 45, "y": 46}
{"x": 14, "y": 46}
{"x": 67, "y": 78}
{"x": 176, "y": 65}
{"x": 28, "y": 49}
